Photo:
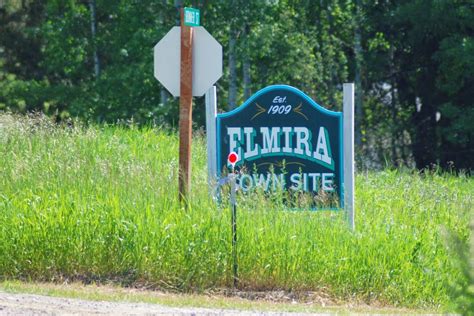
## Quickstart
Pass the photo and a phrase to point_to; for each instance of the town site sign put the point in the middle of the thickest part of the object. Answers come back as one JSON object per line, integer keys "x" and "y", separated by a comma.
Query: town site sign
{"x": 284, "y": 141}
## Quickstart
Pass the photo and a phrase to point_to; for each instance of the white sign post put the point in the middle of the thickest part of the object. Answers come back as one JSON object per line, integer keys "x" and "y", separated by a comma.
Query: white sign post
{"x": 348, "y": 118}
{"x": 211, "y": 112}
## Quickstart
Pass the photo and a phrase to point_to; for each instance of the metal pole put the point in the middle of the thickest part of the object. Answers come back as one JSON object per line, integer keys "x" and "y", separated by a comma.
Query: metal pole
{"x": 234, "y": 226}
{"x": 348, "y": 116}
{"x": 185, "y": 109}
{"x": 211, "y": 112}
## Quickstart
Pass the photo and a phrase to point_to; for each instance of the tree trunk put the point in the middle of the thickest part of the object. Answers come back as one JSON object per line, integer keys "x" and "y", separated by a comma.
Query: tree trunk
{"x": 163, "y": 92}
{"x": 425, "y": 141}
{"x": 92, "y": 8}
{"x": 246, "y": 65}
{"x": 330, "y": 65}
{"x": 247, "y": 80}
{"x": 393, "y": 137}
{"x": 358, "y": 76}
{"x": 232, "y": 71}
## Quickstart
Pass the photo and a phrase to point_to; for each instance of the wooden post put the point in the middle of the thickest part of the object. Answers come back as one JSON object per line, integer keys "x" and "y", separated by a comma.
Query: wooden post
{"x": 185, "y": 109}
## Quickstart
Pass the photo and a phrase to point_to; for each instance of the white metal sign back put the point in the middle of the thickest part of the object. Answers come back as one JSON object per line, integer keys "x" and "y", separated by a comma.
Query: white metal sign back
{"x": 207, "y": 61}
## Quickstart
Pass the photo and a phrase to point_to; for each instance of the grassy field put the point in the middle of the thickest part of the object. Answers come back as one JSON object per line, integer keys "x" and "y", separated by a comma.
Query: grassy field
{"x": 100, "y": 204}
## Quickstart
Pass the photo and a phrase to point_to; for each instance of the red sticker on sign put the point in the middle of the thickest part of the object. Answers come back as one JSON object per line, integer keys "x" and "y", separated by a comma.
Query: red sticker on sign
{"x": 232, "y": 158}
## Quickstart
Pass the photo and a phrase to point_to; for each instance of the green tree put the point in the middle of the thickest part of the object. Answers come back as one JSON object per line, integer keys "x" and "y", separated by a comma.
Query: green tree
{"x": 437, "y": 61}
{"x": 21, "y": 55}
{"x": 411, "y": 59}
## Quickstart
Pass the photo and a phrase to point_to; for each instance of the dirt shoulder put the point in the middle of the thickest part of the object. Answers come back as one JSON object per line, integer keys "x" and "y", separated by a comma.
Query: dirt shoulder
{"x": 18, "y": 298}
{"x": 31, "y": 304}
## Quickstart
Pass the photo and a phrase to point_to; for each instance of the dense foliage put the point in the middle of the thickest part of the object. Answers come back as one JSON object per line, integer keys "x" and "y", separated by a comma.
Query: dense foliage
{"x": 412, "y": 62}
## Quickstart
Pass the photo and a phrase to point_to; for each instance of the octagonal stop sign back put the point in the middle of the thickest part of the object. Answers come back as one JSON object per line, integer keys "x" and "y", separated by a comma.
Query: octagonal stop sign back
{"x": 207, "y": 61}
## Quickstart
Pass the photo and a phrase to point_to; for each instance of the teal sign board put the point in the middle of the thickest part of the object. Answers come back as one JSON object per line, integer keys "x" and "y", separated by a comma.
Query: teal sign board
{"x": 192, "y": 17}
{"x": 285, "y": 140}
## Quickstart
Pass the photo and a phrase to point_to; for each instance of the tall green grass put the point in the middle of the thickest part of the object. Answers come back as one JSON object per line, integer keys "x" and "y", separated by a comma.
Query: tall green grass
{"x": 100, "y": 203}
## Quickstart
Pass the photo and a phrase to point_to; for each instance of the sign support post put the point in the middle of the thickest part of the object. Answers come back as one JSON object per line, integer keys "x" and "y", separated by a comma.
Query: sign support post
{"x": 233, "y": 188}
{"x": 185, "y": 109}
{"x": 211, "y": 112}
{"x": 232, "y": 159}
{"x": 348, "y": 118}
{"x": 187, "y": 62}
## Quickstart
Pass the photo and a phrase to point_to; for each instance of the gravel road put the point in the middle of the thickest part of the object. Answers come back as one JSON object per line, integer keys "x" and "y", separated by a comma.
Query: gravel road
{"x": 29, "y": 304}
